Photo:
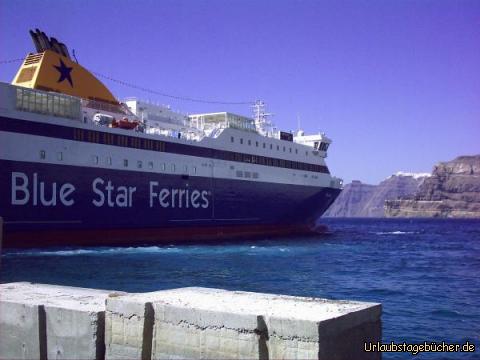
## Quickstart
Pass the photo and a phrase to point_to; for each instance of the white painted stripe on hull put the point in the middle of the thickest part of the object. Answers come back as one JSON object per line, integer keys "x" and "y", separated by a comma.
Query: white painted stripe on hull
{"x": 26, "y": 147}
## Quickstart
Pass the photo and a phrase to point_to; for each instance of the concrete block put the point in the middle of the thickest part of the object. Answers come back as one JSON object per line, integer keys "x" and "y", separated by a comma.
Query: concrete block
{"x": 196, "y": 333}
{"x": 22, "y": 330}
{"x": 129, "y": 325}
{"x": 212, "y": 323}
{"x": 72, "y": 334}
{"x": 312, "y": 328}
{"x": 40, "y": 321}
{"x": 70, "y": 320}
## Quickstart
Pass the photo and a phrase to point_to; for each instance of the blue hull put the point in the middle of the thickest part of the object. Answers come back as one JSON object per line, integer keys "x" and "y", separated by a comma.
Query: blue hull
{"x": 45, "y": 204}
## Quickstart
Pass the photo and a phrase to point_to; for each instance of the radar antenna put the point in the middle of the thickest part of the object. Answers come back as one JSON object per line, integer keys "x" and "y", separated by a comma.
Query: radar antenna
{"x": 262, "y": 123}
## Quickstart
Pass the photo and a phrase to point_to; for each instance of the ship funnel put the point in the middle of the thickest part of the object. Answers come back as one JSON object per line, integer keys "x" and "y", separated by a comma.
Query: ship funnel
{"x": 52, "y": 69}
{"x": 42, "y": 43}
{"x": 36, "y": 41}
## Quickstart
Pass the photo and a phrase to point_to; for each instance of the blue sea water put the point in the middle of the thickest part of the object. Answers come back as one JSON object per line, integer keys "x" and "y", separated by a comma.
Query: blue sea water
{"x": 426, "y": 273}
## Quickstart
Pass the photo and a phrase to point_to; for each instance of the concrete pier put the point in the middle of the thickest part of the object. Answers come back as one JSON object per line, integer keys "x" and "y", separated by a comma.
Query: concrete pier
{"x": 45, "y": 321}
{"x": 39, "y": 321}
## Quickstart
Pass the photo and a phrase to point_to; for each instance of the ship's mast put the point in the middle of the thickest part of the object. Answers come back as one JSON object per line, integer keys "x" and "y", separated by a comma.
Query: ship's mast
{"x": 262, "y": 123}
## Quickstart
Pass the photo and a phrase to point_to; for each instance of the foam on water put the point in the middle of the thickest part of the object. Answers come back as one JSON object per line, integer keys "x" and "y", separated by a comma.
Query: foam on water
{"x": 139, "y": 250}
{"x": 396, "y": 232}
{"x": 90, "y": 251}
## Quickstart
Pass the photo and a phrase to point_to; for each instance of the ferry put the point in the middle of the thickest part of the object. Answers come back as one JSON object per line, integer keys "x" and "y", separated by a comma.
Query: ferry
{"x": 80, "y": 167}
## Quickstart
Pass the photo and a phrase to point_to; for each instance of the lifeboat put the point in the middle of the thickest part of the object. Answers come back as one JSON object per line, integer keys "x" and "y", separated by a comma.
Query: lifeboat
{"x": 125, "y": 124}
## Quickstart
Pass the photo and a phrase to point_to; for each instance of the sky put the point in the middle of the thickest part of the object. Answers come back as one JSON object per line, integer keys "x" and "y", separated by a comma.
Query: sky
{"x": 395, "y": 84}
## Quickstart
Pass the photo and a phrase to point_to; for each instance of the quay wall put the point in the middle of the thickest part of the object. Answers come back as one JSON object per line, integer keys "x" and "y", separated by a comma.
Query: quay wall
{"x": 39, "y": 321}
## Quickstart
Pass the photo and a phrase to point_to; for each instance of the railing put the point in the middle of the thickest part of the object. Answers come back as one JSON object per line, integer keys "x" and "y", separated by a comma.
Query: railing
{"x": 104, "y": 106}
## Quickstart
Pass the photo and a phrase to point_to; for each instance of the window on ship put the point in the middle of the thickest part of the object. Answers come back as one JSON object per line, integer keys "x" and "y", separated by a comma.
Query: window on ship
{"x": 47, "y": 103}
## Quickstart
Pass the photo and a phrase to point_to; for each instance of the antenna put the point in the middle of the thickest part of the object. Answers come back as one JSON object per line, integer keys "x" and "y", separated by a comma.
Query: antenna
{"x": 262, "y": 123}
{"x": 74, "y": 56}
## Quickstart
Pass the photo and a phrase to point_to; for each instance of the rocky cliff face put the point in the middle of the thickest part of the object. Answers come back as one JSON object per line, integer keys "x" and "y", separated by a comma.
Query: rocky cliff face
{"x": 364, "y": 200}
{"x": 453, "y": 190}
{"x": 351, "y": 201}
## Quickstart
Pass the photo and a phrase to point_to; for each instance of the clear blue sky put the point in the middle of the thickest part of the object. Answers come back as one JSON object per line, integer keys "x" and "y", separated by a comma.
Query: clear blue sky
{"x": 395, "y": 84}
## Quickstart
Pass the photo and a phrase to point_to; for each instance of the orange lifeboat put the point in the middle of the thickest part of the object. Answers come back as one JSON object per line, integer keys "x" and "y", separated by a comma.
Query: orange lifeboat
{"x": 125, "y": 124}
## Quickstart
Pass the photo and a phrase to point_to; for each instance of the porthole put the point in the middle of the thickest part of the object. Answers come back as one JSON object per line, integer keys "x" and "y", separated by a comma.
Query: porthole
{"x": 43, "y": 154}
{"x": 125, "y": 162}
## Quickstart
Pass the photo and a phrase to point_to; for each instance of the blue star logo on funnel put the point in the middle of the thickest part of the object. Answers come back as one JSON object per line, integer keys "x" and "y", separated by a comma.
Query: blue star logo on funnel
{"x": 64, "y": 71}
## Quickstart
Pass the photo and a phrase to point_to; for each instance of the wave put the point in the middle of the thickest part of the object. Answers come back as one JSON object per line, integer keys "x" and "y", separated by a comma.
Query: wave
{"x": 397, "y": 232}
{"x": 96, "y": 251}
{"x": 446, "y": 313}
{"x": 104, "y": 251}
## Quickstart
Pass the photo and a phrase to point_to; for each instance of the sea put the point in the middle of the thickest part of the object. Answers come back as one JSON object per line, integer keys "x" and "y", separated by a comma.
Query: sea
{"x": 425, "y": 272}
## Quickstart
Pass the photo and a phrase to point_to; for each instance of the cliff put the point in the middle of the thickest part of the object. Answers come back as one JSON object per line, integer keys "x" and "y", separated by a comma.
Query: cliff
{"x": 453, "y": 190}
{"x": 351, "y": 201}
{"x": 364, "y": 200}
